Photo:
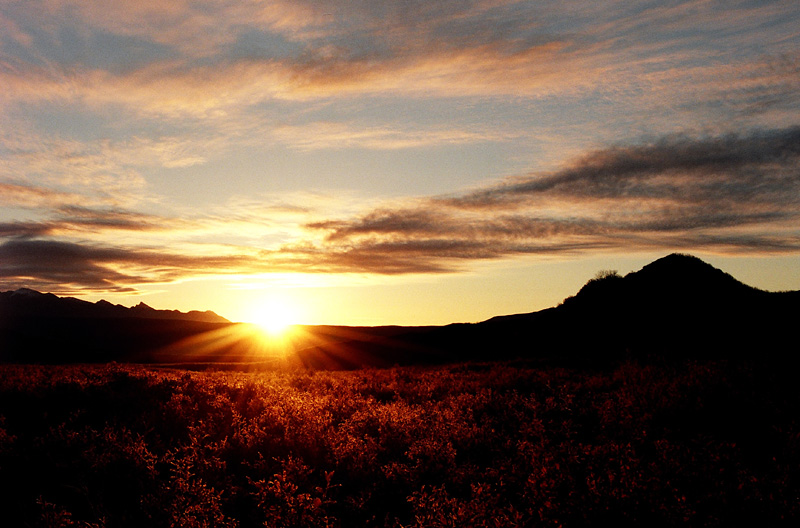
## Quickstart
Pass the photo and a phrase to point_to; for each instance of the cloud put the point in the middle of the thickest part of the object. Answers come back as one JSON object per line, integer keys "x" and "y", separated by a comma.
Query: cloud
{"x": 219, "y": 59}
{"x": 114, "y": 220}
{"x": 62, "y": 172}
{"x": 330, "y": 135}
{"x": 178, "y": 89}
{"x": 65, "y": 223}
{"x": 716, "y": 193}
{"x": 732, "y": 192}
{"x": 77, "y": 248}
{"x": 757, "y": 167}
{"x": 161, "y": 86}
{"x": 24, "y": 229}
{"x": 32, "y": 196}
{"x": 301, "y": 50}
{"x": 102, "y": 174}
{"x": 61, "y": 264}
{"x": 56, "y": 265}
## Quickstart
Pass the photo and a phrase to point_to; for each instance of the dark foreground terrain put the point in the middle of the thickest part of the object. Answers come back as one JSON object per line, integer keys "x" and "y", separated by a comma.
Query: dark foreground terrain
{"x": 682, "y": 443}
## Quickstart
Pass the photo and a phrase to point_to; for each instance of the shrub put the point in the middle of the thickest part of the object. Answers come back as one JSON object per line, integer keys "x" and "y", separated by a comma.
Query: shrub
{"x": 702, "y": 443}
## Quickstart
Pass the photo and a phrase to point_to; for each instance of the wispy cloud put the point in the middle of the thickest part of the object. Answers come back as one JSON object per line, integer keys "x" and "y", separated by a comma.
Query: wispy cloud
{"x": 733, "y": 192}
{"x": 741, "y": 168}
{"x": 232, "y": 54}
{"x": 60, "y": 266}
{"x": 69, "y": 172}
{"x": 722, "y": 193}
{"x": 332, "y": 135}
{"x": 66, "y": 223}
{"x": 213, "y": 65}
{"x": 18, "y": 194}
{"x": 187, "y": 87}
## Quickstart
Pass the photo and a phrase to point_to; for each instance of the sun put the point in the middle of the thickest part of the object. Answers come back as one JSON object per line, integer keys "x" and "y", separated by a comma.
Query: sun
{"x": 275, "y": 317}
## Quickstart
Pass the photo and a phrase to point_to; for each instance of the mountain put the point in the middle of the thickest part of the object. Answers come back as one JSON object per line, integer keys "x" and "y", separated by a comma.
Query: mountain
{"x": 675, "y": 307}
{"x": 25, "y": 302}
{"x": 42, "y": 327}
{"x": 678, "y": 305}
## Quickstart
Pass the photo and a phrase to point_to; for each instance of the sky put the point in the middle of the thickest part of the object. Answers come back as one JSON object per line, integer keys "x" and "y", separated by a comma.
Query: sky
{"x": 392, "y": 162}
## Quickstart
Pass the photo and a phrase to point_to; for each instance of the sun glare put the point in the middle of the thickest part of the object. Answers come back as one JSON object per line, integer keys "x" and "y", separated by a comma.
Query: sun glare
{"x": 274, "y": 317}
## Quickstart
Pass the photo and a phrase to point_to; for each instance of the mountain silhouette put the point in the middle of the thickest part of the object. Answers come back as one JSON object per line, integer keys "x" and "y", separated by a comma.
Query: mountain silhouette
{"x": 27, "y": 302}
{"x": 675, "y": 307}
{"x": 678, "y": 305}
{"x": 42, "y": 327}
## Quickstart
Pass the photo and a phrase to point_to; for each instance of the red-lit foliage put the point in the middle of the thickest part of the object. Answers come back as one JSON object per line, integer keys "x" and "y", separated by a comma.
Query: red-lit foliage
{"x": 703, "y": 444}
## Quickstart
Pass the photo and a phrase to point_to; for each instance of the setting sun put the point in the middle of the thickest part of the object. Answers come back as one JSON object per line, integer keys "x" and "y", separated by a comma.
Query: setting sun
{"x": 274, "y": 316}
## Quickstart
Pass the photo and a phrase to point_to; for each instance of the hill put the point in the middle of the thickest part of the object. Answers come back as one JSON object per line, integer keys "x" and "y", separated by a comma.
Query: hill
{"x": 677, "y": 306}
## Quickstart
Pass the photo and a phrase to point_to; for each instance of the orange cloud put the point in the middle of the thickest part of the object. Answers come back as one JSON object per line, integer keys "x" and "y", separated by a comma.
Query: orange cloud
{"x": 726, "y": 192}
{"x": 220, "y": 74}
{"x": 330, "y": 135}
{"x": 721, "y": 193}
{"x": 311, "y": 50}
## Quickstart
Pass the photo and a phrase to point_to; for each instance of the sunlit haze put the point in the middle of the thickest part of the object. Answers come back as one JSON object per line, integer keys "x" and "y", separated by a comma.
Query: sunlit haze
{"x": 382, "y": 162}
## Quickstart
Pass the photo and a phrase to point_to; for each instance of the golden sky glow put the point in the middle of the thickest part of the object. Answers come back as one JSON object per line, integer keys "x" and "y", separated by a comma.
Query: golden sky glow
{"x": 383, "y": 162}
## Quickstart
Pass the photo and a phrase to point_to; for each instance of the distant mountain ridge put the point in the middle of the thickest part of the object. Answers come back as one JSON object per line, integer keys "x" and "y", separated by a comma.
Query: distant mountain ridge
{"x": 26, "y": 302}
{"x": 675, "y": 307}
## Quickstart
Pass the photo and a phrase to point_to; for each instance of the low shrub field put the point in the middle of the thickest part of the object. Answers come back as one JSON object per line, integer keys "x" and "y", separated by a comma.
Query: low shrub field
{"x": 712, "y": 443}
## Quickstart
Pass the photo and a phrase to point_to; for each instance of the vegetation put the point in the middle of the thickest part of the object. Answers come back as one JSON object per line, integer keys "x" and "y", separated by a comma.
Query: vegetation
{"x": 693, "y": 443}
